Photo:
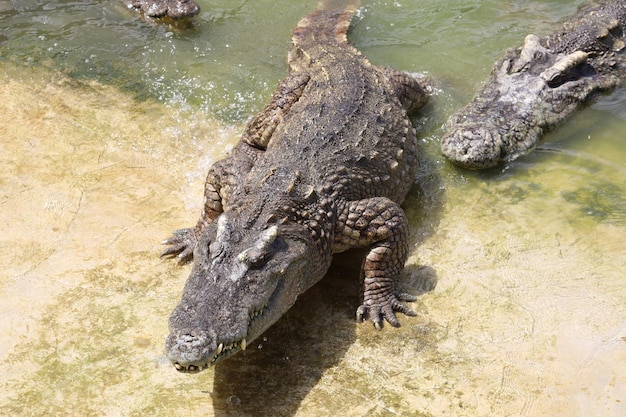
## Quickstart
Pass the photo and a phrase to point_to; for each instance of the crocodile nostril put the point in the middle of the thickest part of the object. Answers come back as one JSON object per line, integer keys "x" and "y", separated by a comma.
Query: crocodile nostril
{"x": 190, "y": 350}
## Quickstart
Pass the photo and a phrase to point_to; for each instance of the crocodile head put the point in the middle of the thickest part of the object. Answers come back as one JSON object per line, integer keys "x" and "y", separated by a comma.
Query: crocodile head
{"x": 172, "y": 9}
{"x": 242, "y": 281}
{"x": 530, "y": 91}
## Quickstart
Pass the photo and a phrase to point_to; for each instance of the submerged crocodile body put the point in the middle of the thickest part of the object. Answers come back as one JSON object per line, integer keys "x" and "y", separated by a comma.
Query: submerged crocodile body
{"x": 534, "y": 88}
{"x": 172, "y": 9}
{"x": 321, "y": 169}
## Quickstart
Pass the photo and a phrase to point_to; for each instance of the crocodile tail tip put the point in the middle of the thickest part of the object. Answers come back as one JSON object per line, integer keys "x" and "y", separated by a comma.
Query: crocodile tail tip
{"x": 330, "y": 20}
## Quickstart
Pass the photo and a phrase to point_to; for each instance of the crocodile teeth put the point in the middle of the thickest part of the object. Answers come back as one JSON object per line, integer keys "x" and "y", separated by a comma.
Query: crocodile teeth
{"x": 220, "y": 348}
{"x": 243, "y": 344}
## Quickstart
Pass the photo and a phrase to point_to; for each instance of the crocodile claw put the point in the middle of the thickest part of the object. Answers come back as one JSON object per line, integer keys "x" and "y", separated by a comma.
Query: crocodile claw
{"x": 380, "y": 310}
{"x": 181, "y": 245}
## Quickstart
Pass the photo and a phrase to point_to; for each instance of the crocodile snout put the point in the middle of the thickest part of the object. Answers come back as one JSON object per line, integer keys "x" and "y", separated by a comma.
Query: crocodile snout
{"x": 190, "y": 350}
{"x": 472, "y": 148}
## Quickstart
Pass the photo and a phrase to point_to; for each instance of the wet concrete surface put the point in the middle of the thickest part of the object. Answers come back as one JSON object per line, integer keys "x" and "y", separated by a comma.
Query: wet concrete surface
{"x": 522, "y": 307}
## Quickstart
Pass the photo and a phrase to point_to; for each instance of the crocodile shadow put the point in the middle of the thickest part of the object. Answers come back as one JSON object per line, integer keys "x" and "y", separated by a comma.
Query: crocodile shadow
{"x": 276, "y": 373}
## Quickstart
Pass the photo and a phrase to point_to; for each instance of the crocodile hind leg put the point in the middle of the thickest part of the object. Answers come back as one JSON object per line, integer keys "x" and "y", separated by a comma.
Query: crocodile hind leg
{"x": 410, "y": 91}
{"x": 259, "y": 131}
{"x": 380, "y": 224}
{"x": 221, "y": 177}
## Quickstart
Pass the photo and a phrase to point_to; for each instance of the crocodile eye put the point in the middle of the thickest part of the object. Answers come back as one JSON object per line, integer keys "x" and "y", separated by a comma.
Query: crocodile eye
{"x": 256, "y": 258}
{"x": 569, "y": 68}
{"x": 263, "y": 250}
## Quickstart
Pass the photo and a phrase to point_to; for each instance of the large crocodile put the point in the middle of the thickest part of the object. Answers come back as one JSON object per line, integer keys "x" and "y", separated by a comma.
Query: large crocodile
{"x": 321, "y": 169}
{"x": 534, "y": 88}
{"x": 172, "y": 9}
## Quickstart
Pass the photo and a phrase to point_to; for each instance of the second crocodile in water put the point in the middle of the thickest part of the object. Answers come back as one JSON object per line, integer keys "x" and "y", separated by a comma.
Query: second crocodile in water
{"x": 534, "y": 88}
{"x": 321, "y": 169}
{"x": 165, "y": 9}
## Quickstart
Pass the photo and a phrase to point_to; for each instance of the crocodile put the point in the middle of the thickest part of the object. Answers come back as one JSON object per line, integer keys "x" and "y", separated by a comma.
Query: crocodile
{"x": 321, "y": 169}
{"x": 534, "y": 88}
{"x": 159, "y": 9}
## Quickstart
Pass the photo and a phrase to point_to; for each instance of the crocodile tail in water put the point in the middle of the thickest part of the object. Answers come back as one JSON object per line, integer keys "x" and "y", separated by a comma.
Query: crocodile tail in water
{"x": 328, "y": 24}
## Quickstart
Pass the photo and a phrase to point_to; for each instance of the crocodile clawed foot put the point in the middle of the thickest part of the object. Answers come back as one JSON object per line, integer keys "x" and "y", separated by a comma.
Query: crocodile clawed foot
{"x": 384, "y": 309}
{"x": 181, "y": 245}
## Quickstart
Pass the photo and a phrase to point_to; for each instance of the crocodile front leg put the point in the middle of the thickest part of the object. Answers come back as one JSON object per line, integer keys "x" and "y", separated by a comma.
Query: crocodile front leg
{"x": 232, "y": 170}
{"x": 221, "y": 177}
{"x": 380, "y": 224}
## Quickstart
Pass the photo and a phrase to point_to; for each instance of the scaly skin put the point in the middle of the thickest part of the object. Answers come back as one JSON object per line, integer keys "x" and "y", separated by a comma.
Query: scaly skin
{"x": 173, "y": 9}
{"x": 321, "y": 169}
{"x": 534, "y": 88}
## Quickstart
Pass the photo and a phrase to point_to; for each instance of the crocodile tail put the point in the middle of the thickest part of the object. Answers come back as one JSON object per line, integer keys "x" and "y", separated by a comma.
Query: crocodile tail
{"x": 329, "y": 23}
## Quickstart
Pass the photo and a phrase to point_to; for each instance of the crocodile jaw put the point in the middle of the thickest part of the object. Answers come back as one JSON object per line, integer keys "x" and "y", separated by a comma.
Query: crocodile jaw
{"x": 218, "y": 316}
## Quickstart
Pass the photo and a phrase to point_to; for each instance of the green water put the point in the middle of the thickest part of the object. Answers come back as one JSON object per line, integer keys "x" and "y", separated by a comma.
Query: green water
{"x": 109, "y": 124}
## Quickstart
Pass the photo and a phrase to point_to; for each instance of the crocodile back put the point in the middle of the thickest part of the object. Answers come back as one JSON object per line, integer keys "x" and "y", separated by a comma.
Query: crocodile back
{"x": 348, "y": 132}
